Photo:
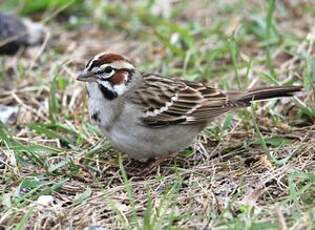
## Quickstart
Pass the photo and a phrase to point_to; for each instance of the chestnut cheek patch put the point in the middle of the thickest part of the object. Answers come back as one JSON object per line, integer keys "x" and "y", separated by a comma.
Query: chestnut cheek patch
{"x": 120, "y": 77}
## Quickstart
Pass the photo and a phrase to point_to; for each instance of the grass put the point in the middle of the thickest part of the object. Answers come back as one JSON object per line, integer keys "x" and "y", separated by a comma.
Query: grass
{"x": 252, "y": 169}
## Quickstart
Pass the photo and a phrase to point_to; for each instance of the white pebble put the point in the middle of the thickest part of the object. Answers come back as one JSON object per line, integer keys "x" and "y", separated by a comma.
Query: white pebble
{"x": 45, "y": 200}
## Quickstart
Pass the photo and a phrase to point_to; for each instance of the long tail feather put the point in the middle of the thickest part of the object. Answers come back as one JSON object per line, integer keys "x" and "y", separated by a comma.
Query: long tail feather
{"x": 244, "y": 99}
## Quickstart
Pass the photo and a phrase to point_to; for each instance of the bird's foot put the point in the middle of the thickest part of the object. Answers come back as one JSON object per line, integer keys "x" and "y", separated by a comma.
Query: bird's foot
{"x": 151, "y": 165}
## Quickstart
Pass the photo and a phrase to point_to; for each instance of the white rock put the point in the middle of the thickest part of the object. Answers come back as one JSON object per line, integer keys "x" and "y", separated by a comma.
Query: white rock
{"x": 45, "y": 200}
{"x": 7, "y": 113}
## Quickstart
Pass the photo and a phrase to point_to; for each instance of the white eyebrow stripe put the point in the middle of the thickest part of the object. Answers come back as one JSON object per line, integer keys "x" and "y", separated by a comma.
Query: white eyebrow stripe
{"x": 118, "y": 65}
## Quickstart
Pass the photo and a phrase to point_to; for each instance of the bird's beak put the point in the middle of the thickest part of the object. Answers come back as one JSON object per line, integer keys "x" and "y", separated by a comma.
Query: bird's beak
{"x": 85, "y": 75}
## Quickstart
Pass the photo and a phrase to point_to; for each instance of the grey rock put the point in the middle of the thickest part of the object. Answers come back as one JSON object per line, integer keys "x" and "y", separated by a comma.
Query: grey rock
{"x": 8, "y": 114}
{"x": 18, "y": 32}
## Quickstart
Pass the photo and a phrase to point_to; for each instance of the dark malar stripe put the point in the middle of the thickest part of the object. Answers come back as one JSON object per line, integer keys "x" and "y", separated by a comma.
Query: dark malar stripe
{"x": 108, "y": 94}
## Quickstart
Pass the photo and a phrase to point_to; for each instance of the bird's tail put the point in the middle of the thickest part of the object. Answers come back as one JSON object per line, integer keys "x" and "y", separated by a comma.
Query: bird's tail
{"x": 245, "y": 98}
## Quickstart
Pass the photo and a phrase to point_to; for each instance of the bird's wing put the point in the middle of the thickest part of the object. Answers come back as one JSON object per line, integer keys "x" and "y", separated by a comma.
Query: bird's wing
{"x": 169, "y": 101}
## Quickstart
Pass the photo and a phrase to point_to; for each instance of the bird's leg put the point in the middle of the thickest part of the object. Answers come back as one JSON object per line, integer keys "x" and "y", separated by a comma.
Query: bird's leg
{"x": 152, "y": 164}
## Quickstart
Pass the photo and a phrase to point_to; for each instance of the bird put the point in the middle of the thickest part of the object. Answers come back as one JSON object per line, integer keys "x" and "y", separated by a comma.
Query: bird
{"x": 16, "y": 33}
{"x": 148, "y": 116}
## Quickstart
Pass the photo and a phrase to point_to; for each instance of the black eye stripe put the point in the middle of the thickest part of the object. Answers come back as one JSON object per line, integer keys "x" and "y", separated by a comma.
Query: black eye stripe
{"x": 108, "y": 69}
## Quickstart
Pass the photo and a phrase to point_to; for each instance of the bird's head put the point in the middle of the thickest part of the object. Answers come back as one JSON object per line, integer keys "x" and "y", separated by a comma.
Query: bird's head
{"x": 112, "y": 72}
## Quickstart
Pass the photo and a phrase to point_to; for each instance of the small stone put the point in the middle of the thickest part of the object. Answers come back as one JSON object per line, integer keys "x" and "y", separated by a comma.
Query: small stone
{"x": 95, "y": 227}
{"x": 8, "y": 114}
{"x": 45, "y": 200}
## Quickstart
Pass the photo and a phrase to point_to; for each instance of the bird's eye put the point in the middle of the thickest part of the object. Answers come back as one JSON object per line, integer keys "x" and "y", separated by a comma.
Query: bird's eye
{"x": 108, "y": 69}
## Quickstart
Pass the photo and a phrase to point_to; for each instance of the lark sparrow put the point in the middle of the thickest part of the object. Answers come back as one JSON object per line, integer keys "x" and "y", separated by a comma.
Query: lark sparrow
{"x": 149, "y": 116}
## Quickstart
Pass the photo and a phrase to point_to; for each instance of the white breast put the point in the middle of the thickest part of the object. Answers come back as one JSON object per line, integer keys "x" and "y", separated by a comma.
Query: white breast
{"x": 120, "y": 123}
{"x": 99, "y": 105}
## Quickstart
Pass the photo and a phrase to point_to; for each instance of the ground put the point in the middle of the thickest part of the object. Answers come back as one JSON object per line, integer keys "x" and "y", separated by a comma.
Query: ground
{"x": 251, "y": 169}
